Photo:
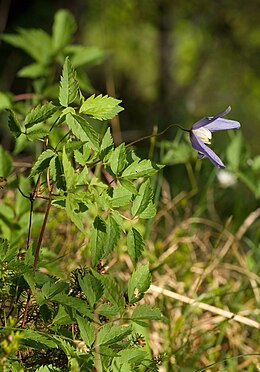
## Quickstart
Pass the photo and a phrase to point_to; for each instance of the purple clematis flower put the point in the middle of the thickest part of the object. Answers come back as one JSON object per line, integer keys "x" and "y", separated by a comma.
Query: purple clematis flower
{"x": 201, "y": 134}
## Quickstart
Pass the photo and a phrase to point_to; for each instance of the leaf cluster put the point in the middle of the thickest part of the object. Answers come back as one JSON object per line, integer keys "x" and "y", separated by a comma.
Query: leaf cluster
{"x": 104, "y": 190}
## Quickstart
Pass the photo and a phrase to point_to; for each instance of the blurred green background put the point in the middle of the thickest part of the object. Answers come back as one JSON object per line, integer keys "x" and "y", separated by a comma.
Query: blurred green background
{"x": 170, "y": 61}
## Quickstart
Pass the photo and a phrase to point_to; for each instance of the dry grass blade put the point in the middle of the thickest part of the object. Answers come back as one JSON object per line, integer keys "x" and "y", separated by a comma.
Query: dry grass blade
{"x": 203, "y": 306}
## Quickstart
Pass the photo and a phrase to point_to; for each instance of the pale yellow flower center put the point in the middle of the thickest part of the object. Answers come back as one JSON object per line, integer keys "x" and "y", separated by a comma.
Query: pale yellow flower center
{"x": 204, "y": 134}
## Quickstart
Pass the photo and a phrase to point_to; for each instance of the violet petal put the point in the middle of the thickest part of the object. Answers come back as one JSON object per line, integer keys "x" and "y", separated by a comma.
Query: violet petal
{"x": 200, "y": 146}
{"x": 200, "y": 156}
{"x": 207, "y": 120}
{"x": 222, "y": 124}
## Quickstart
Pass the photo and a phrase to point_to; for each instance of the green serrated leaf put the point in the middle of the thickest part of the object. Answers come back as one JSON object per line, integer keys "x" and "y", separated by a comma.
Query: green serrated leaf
{"x": 73, "y": 209}
{"x": 110, "y": 334}
{"x": 128, "y": 185}
{"x": 149, "y": 212}
{"x": 83, "y": 130}
{"x": 39, "y": 114}
{"x": 97, "y": 239}
{"x": 64, "y": 27}
{"x": 131, "y": 356}
{"x": 107, "y": 145}
{"x": 112, "y": 235}
{"x": 68, "y": 85}
{"x": 143, "y": 313}
{"x": 112, "y": 292}
{"x": 82, "y": 156}
{"x": 119, "y": 219}
{"x": 14, "y": 124}
{"x": 42, "y": 162}
{"x": 119, "y": 196}
{"x": 143, "y": 198}
{"x": 101, "y": 107}
{"x": 49, "y": 289}
{"x": 87, "y": 330}
{"x": 82, "y": 177}
{"x": 69, "y": 171}
{"x": 57, "y": 172}
{"x": 37, "y": 134}
{"x": 7, "y": 253}
{"x": 75, "y": 303}
{"x": 62, "y": 317}
{"x": 38, "y": 340}
{"x": 117, "y": 160}
{"x": 92, "y": 288}
{"x": 135, "y": 244}
{"x": 139, "y": 283}
{"x": 107, "y": 310}
{"x": 143, "y": 168}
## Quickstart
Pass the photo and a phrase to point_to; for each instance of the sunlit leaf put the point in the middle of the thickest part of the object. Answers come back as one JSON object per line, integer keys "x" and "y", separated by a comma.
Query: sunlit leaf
{"x": 143, "y": 198}
{"x": 107, "y": 145}
{"x": 143, "y": 313}
{"x": 110, "y": 334}
{"x": 101, "y": 107}
{"x": 87, "y": 330}
{"x": 83, "y": 130}
{"x": 135, "y": 244}
{"x": 143, "y": 168}
{"x": 39, "y": 114}
{"x": 112, "y": 235}
{"x": 68, "y": 85}
{"x": 42, "y": 162}
{"x": 14, "y": 124}
{"x": 35, "y": 42}
{"x": 117, "y": 160}
{"x": 139, "y": 283}
{"x": 97, "y": 239}
{"x": 64, "y": 27}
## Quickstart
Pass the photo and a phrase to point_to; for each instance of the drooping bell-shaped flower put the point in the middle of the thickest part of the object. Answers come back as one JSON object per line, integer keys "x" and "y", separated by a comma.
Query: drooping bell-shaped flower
{"x": 201, "y": 134}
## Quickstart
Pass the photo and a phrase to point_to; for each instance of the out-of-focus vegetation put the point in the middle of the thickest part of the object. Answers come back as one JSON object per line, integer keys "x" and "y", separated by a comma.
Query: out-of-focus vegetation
{"x": 170, "y": 62}
{"x": 181, "y": 59}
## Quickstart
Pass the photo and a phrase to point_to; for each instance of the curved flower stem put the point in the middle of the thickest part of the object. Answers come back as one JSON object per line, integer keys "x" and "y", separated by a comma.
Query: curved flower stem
{"x": 156, "y": 135}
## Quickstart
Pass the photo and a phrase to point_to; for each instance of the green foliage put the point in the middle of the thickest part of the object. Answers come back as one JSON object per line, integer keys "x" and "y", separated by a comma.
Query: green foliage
{"x": 49, "y": 50}
{"x": 135, "y": 244}
{"x": 85, "y": 319}
{"x": 139, "y": 283}
{"x": 101, "y": 107}
{"x": 64, "y": 27}
{"x": 39, "y": 114}
{"x": 75, "y": 240}
{"x": 68, "y": 84}
{"x": 143, "y": 313}
{"x": 14, "y": 124}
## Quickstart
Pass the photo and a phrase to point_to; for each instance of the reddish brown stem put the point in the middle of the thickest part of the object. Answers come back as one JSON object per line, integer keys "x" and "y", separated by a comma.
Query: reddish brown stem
{"x": 42, "y": 233}
{"x": 37, "y": 257}
{"x": 25, "y": 96}
{"x": 26, "y": 308}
